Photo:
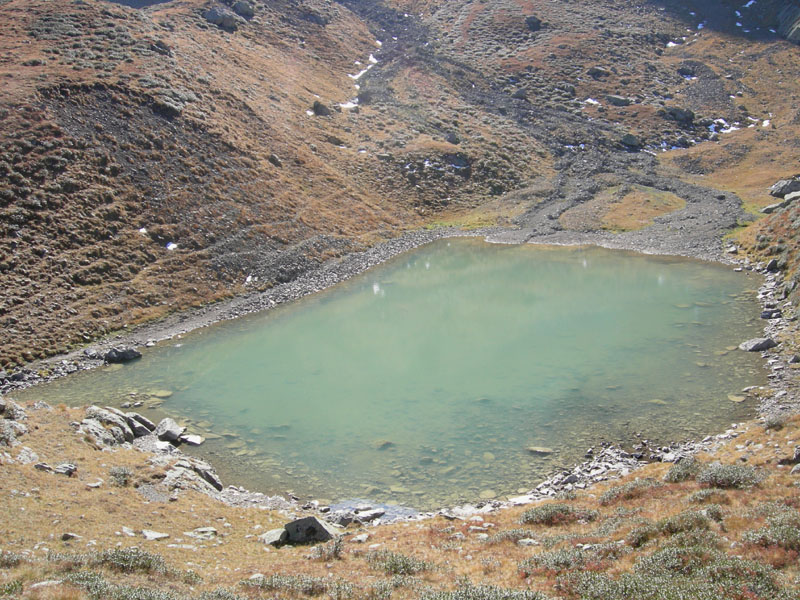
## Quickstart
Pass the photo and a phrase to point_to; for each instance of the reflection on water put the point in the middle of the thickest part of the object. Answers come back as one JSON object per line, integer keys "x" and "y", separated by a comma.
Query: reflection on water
{"x": 423, "y": 381}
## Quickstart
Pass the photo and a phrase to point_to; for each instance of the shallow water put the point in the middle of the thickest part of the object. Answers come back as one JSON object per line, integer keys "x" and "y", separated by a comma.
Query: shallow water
{"x": 423, "y": 381}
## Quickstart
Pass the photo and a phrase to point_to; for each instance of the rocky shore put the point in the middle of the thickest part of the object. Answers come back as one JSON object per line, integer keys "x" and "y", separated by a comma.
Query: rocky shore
{"x": 777, "y": 400}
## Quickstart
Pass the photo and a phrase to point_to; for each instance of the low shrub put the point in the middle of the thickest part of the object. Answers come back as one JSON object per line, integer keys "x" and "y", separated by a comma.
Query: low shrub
{"x": 683, "y": 470}
{"x": 628, "y": 491}
{"x": 709, "y": 495}
{"x": 513, "y": 535}
{"x": 295, "y": 584}
{"x": 554, "y": 560}
{"x": 729, "y": 476}
{"x": 120, "y": 476}
{"x": 782, "y": 530}
{"x": 675, "y": 560}
{"x": 639, "y": 536}
{"x": 394, "y": 563}
{"x": 685, "y": 521}
{"x": 95, "y": 585}
{"x": 9, "y": 559}
{"x": 130, "y": 560}
{"x": 483, "y": 592}
{"x": 557, "y": 514}
{"x": 11, "y": 588}
{"x": 330, "y": 551}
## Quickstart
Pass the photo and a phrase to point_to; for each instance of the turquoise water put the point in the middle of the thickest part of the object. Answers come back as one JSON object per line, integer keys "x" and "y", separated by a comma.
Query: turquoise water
{"x": 424, "y": 380}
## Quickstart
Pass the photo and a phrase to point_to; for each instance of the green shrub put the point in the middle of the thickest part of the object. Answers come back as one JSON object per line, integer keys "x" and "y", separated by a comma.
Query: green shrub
{"x": 394, "y": 563}
{"x": 628, "y": 491}
{"x": 729, "y": 476}
{"x": 130, "y": 560}
{"x": 639, "y": 536}
{"x": 556, "y": 514}
{"x": 11, "y": 588}
{"x": 295, "y": 584}
{"x": 708, "y": 495}
{"x": 782, "y": 530}
{"x": 120, "y": 476}
{"x": 670, "y": 561}
{"x": 686, "y": 468}
{"x": 513, "y": 535}
{"x": 483, "y": 592}
{"x": 685, "y": 521}
{"x": 9, "y": 559}
{"x": 330, "y": 551}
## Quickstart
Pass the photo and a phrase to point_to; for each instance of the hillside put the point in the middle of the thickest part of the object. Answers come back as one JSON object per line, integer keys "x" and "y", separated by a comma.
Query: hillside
{"x": 153, "y": 160}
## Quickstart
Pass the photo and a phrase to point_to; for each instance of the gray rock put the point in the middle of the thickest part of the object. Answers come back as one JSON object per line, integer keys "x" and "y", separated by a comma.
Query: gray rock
{"x": 681, "y": 115}
{"x": 138, "y": 429}
{"x": 43, "y": 467}
{"x": 199, "y": 468}
{"x": 310, "y": 529}
{"x": 320, "y": 109}
{"x": 112, "y": 419}
{"x": 121, "y": 355}
{"x": 616, "y": 100}
{"x": 598, "y": 72}
{"x": 785, "y": 186}
{"x": 772, "y": 266}
{"x": 757, "y": 344}
{"x": 65, "y": 537}
{"x": 223, "y": 18}
{"x": 533, "y": 23}
{"x": 8, "y": 433}
{"x": 342, "y": 518}
{"x": 275, "y": 160}
{"x": 274, "y": 537}
{"x": 2, "y": 405}
{"x": 527, "y": 542}
{"x": 771, "y": 313}
{"x": 244, "y": 9}
{"x": 142, "y": 420}
{"x": 153, "y": 536}
{"x": 65, "y": 469}
{"x": 14, "y": 411}
{"x": 168, "y": 430}
{"x": 631, "y": 142}
{"x": 202, "y": 533}
{"x": 27, "y": 456}
{"x": 100, "y": 435}
{"x": 541, "y": 450}
{"x": 192, "y": 440}
{"x": 370, "y": 515}
{"x": 360, "y": 539}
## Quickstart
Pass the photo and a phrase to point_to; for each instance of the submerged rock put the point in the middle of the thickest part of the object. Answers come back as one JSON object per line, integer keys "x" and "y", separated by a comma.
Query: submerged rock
{"x": 540, "y": 450}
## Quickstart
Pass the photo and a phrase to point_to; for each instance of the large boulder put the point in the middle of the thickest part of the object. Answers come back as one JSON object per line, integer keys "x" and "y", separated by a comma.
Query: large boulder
{"x": 274, "y": 537}
{"x": 193, "y": 472}
{"x": 785, "y": 186}
{"x": 140, "y": 425}
{"x": 757, "y": 344}
{"x": 534, "y": 23}
{"x": 787, "y": 200}
{"x": 113, "y": 419}
{"x": 168, "y": 430}
{"x": 223, "y": 18}
{"x": 310, "y": 529}
{"x": 681, "y": 115}
{"x": 244, "y": 9}
{"x": 121, "y": 355}
{"x": 94, "y": 430}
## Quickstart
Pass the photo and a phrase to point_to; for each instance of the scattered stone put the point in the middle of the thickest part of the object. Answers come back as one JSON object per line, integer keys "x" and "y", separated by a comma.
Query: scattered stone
{"x": 382, "y": 444}
{"x": 274, "y": 537}
{"x": 95, "y": 484}
{"x": 310, "y": 529}
{"x": 202, "y": 533}
{"x": 168, "y": 430}
{"x": 244, "y": 9}
{"x": 128, "y": 531}
{"x": 795, "y": 459}
{"x": 771, "y": 313}
{"x": 795, "y": 470}
{"x": 27, "y": 456}
{"x": 598, "y": 72}
{"x": 681, "y": 115}
{"x": 121, "y": 355}
{"x": 757, "y": 344}
{"x": 631, "y": 142}
{"x": 65, "y": 537}
{"x": 527, "y": 542}
{"x": 370, "y": 515}
{"x": 360, "y": 539}
{"x": 43, "y": 467}
{"x": 736, "y": 399}
{"x": 273, "y": 158}
{"x": 153, "y": 536}
{"x": 772, "y": 266}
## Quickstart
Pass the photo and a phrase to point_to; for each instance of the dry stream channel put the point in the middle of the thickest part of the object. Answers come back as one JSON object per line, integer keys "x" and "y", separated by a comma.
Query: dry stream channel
{"x": 426, "y": 380}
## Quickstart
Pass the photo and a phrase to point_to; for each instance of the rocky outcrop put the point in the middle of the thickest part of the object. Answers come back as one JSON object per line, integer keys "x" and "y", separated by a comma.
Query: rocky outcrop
{"x": 168, "y": 430}
{"x": 121, "y": 355}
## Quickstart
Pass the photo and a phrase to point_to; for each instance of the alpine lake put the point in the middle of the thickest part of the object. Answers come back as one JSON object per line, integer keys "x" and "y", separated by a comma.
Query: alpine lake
{"x": 425, "y": 381}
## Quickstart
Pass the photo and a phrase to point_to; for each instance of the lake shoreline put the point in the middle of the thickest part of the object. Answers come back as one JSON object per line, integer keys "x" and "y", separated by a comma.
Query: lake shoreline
{"x": 610, "y": 462}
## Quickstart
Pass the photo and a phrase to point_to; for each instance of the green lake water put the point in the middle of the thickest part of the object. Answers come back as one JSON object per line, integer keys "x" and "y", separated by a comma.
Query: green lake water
{"x": 422, "y": 381}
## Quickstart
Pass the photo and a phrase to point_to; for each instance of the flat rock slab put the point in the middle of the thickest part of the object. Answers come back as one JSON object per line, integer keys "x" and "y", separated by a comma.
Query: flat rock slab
{"x": 153, "y": 536}
{"x": 540, "y": 450}
{"x": 202, "y": 533}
